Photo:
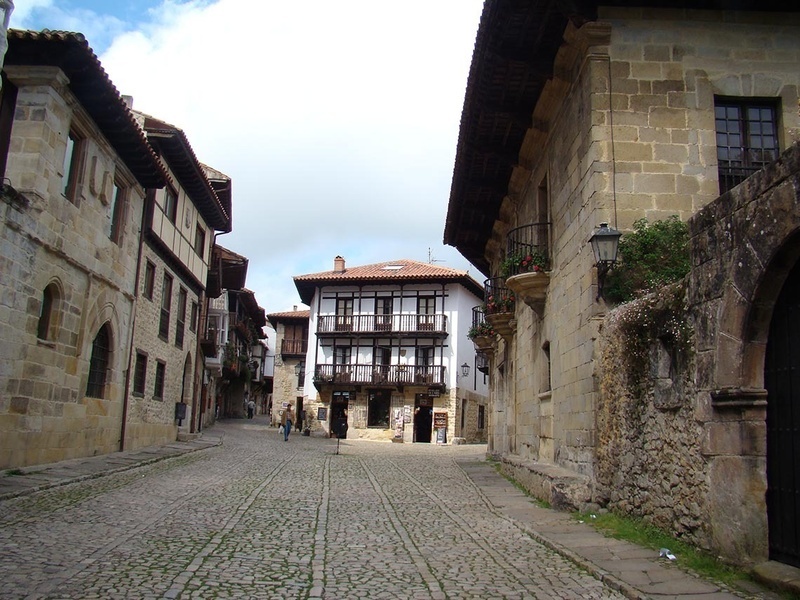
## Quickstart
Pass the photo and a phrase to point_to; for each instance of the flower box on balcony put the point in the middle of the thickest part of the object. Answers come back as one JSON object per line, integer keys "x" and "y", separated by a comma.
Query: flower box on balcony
{"x": 531, "y": 287}
{"x": 483, "y": 342}
{"x": 503, "y": 323}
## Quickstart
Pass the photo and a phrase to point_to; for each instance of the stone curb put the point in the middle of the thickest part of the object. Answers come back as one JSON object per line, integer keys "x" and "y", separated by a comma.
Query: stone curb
{"x": 607, "y": 578}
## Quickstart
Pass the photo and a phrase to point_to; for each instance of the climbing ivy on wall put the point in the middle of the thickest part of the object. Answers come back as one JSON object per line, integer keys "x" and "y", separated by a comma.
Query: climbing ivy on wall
{"x": 652, "y": 255}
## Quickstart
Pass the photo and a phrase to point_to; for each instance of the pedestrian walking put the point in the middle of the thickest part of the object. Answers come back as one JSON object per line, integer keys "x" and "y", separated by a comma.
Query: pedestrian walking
{"x": 286, "y": 422}
{"x": 251, "y": 409}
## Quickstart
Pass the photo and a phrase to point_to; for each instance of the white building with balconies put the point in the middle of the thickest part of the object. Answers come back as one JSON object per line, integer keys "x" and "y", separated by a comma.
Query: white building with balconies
{"x": 389, "y": 354}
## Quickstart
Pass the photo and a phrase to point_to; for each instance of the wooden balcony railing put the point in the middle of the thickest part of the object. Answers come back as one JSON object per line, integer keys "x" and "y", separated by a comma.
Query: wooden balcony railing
{"x": 380, "y": 374}
{"x": 292, "y": 347}
{"x": 383, "y": 324}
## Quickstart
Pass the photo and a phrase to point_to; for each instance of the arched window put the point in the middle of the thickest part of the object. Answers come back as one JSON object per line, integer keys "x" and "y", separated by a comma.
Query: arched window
{"x": 98, "y": 365}
{"x": 49, "y": 320}
{"x": 47, "y": 316}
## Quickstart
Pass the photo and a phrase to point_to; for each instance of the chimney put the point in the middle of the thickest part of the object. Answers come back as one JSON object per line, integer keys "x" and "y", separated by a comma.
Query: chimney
{"x": 294, "y": 308}
{"x": 338, "y": 265}
{"x": 129, "y": 101}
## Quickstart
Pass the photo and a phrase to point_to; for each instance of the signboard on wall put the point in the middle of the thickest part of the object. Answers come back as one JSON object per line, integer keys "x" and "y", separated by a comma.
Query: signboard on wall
{"x": 322, "y": 413}
{"x": 434, "y": 392}
{"x": 440, "y": 420}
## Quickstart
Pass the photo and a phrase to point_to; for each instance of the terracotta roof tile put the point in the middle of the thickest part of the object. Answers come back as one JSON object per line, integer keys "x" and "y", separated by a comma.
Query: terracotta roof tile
{"x": 389, "y": 272}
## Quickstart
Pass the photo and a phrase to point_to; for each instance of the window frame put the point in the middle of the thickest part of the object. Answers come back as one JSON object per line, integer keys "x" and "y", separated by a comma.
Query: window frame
{"x": 733, "y": 170}
{"x": 74, "y": 165}
{"x": 48, "y": 312}
{"x": 170, "y": 206}
{"x": 160, "y": 379}
{"x": 140, "y": 374}
{"x": 119, "y": 209}
{"x": 193, "y": 316}
{"x": 166, "y": 306}
{"x": 149, "y": 279}
{"x": 180, "y": 323}
{"x": 200, "y": 241}
{"x": 99, "y": 363}
{"x": 375, "y": 401}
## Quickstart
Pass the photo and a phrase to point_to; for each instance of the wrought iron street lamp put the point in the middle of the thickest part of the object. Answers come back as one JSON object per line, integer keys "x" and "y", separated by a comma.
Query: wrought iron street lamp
{"x": 605, "y": 243}
{"x": 465, "y": 370}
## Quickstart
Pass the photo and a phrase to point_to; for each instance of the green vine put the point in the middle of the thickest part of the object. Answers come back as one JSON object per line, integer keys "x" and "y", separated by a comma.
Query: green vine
{"x": 651, "y": 256}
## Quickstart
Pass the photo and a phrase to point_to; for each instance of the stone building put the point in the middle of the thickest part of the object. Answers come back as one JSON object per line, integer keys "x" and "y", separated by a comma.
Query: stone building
{"x": 76, "y": 169}
{"x": 291, "y": 347}
{"x": 180, "y": 222}
{"x": 607, "y": 114}
{"x": 389, "y": 354}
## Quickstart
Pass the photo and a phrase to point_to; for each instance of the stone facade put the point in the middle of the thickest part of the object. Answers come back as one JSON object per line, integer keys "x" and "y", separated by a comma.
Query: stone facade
{"x": 625, "y": 129}
{"x": 62, "y": 244}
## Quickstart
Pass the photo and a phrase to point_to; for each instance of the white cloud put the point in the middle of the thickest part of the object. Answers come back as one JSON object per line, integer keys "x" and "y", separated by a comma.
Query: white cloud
{"x": 338, "y": 121}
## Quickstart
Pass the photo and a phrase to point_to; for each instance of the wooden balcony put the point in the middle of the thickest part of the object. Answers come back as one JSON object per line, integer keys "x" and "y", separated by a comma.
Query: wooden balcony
{"x": 208, "y": 344}
{"x": 291, "y": 348}
{"x": 395, "y": 325}
{"x": 380, "y": 375}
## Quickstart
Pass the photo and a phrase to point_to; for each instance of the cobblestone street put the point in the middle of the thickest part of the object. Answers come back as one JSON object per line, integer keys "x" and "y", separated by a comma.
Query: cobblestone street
{"x": 257, "y": 517}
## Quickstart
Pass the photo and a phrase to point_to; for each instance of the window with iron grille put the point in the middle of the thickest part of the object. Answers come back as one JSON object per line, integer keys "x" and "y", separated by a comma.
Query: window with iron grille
{"x": 140, "y": 373}
{"x": 158, "y": 389}
{"x": 747, "y": 138}
{"x": 166, "y": 303}
{"x": 98, "y": 363}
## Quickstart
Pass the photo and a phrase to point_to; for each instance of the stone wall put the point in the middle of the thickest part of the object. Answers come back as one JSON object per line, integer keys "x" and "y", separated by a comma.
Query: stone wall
{"x": 649, "y": 461}
{"x": 45, "y": 239}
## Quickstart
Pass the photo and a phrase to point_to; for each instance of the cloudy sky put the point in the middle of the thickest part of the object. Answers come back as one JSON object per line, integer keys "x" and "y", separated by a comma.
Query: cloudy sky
{"x": 336, "y": 119}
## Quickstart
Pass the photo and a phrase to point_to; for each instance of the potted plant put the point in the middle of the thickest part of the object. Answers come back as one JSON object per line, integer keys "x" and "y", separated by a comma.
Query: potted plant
{"x": 533, "y": 260}
{"x": 502, "y": 303}
{"x": 482, "y": 329}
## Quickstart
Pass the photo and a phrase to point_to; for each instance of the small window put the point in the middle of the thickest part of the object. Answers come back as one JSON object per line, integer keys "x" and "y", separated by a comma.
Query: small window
{"x": 47, "y": 315}
{"x": 200, "y": 241}
{"x": 98, "y": 363}
{"x": 74, "y": 160}
{"x": 180, "y": 326}
{"x": 149, "y": 279}
{"x": 166, "y": 305}
{"x": 161, "y": 371}
{"x": 170, "y": 204}
{"x": 140, "y": 373}
{"x": 193, "y": 318}
{"x": 118, "y": 213}
{"x": 481, "y": 416}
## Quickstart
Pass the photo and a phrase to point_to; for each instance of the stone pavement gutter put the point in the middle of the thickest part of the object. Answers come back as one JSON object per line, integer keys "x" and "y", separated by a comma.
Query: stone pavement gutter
{"x": 632, "y": 570}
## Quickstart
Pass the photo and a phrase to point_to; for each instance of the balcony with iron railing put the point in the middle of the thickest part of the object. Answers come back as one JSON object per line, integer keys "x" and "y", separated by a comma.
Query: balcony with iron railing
{"x": 527, "y": 249}
{"x": 292, "y": 348}
{"x": 380, "y": 375}
{"x": 526, "y": 266}
{"x": 499, "y": 306}
{"x": 383, "y": 325}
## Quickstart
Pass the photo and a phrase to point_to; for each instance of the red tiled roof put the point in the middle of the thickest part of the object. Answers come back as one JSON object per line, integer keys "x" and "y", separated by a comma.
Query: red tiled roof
{"x": 94, "y": 90}
{"x": 389, "y": 272}
{"x": 292, "y": 314}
